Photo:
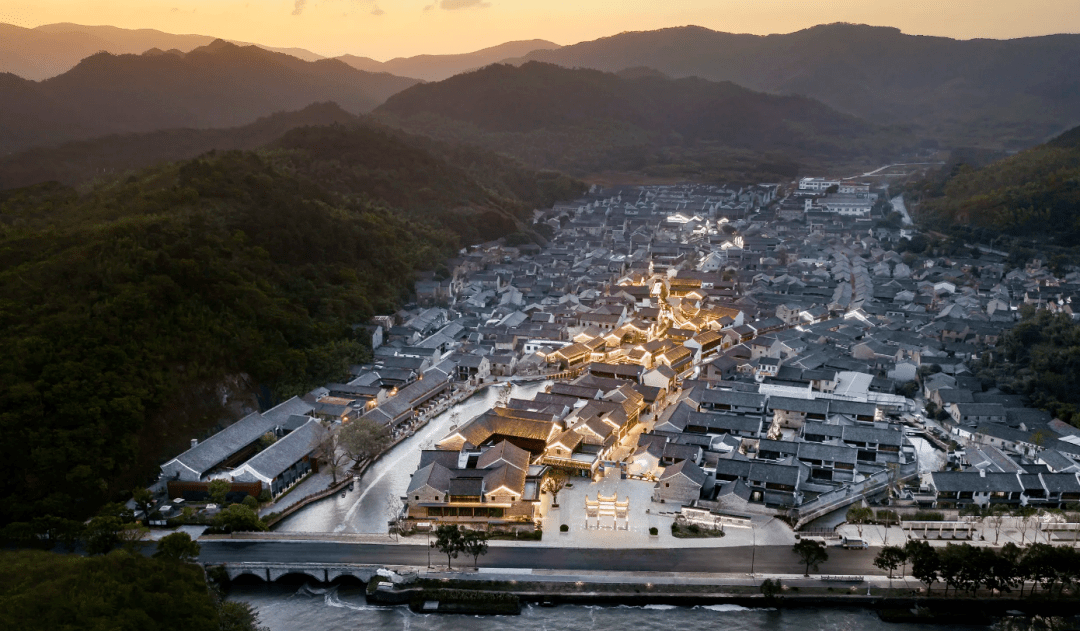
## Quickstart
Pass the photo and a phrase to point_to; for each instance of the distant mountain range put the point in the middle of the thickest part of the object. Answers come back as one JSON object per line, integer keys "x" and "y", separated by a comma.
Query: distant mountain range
{"x": 53, "y": 49}
{"x": 1011, "y": 93}
{"x": 218, "y": 85}
{"x": 439, "y": 67}
{"x": 584, "y": 120}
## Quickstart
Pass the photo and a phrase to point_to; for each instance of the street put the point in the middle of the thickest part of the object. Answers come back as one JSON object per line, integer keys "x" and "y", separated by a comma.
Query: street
{"x": 767, "y": 559}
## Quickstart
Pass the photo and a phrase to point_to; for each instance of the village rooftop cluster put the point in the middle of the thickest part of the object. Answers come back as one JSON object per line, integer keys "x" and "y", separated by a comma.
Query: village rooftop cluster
{"x": 741, "y": 350}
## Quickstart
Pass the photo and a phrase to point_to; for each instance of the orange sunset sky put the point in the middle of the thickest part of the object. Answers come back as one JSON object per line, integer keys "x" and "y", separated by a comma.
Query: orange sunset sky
{"x": 383, "y": 29}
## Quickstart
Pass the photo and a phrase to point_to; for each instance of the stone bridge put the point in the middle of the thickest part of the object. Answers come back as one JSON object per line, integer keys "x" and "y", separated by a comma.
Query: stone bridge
{"x": 322, "y": 572}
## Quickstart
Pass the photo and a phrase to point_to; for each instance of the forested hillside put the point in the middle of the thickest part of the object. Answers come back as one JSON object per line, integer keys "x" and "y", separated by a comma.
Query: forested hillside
{"x": 1040, "y": 358}
{"x": 103, "y": 158}
{"x": 251, "y": 267}
{"x": 586, "y": 121}
{"x": 1034, "y": 193}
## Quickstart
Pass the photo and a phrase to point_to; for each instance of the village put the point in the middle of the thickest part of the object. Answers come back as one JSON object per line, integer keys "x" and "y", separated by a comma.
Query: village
{"x": 711, "y": 356}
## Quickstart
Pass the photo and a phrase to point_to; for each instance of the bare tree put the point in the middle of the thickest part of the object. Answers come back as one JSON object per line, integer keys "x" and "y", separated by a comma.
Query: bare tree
{"x": 363, "y": 439}
{"x": 859, "y": 515}
{"x": 504, "y": 396}
{"x": 1026, "y": 519}
{"x": 554, "y": 482}
{"x": 394, "y": 507}
{"x": 328, "y": 450}
{"x": 995, "y": 519}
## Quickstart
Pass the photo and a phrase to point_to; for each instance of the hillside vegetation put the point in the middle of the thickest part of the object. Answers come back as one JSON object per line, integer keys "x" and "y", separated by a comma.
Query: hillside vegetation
{"x": 104, "y": 158}
{"x": 1033, "y": 194}
{"x": 123, "y": 590}
{"x": 218, "y": 85}
{"x": 1040, "y": 358}
{"x": 116, "y": 303}
{"x": 996, "y": 93}
{"x": 585, "y": 121}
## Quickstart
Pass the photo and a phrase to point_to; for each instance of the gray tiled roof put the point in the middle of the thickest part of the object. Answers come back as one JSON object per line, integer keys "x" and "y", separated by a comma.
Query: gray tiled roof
{"x": 287, "y": 451}
{"x": 219, "y": 447}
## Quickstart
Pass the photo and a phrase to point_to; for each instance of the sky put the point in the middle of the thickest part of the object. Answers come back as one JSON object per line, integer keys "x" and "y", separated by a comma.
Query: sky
{"x": 383, "y": 29}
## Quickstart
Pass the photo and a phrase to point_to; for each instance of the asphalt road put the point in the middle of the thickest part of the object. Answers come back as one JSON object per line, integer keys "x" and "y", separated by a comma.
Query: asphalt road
{"x": 766, "y": 559}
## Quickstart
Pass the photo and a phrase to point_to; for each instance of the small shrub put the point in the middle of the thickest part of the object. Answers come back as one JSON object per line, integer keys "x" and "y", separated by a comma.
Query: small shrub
{"x": 250, "y": 502}
{"x": 694, "y": 528}
{"x": 564, "y": 528}
{"x": 264, "y": 496}
{"x": 674, "y": 528}
{"x": 926, "y": 515}
{"x": 653, "y": 531}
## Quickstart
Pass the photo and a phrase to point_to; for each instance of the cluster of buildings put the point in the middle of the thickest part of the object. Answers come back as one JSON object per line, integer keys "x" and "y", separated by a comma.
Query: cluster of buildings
{"x": 739, "y": 348}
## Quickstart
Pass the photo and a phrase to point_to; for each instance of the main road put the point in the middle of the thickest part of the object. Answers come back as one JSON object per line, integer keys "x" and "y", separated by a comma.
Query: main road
{"x": 737, "y": 559}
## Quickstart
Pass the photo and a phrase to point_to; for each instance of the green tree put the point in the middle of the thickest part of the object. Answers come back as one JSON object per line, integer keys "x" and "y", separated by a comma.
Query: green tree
{"x": 770, "y": 588}
{"x": 219, "y": 490}
{"x": 238, "y": 616}
{"x": 448, "y": 540}
{"x": 955, "y": 567}
{"x": 474, "y": 543}
{"x": 811, "y": 553}
{"x": 178, "y": 547}
{"x": 144, "y": 500}
{"x": 363, "y": 439}
{"x": 103, "y": 534}
{"x": 237, "y": 518}
{"x": 890, "y": 558}
{"x": 925, "y": 562}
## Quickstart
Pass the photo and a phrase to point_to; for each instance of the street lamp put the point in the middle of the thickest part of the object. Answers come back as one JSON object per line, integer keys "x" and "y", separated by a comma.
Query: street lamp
{"x": 753, "y": 550}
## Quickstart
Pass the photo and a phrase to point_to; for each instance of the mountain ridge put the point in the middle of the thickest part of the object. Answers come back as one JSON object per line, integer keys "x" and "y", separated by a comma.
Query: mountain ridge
{"x": 218, "y": 85}
{"x": 965, "y": 91}
{"x": 439, "y": 67}
{"x": 576, "y": 119}
{"x": 49, "y": 50}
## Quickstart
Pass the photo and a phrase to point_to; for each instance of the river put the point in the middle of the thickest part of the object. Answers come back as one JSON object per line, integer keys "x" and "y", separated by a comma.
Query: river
{"x": 366, "y": 509}
{"x": 297, "y": 607}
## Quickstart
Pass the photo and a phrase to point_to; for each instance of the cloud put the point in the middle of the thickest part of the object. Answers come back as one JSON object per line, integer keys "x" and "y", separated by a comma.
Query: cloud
{"x": 429, "y": 7}
{"x": 377, "y": 11}
{"x": 451, "y": 5}
{"x": 299, "y": 7}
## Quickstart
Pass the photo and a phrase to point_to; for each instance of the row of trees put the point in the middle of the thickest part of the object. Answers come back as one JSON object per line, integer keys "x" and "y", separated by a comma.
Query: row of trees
{"x": 967, "y": 568}
{"x": 452, "y": 540}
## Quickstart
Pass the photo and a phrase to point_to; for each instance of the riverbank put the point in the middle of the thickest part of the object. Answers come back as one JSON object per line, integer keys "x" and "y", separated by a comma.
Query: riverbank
{"x": 892, "y": 603}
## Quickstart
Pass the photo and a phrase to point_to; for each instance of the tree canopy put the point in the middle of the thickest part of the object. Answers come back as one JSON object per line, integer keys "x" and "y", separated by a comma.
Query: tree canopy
{"x": 121, "y": 590}
{"x": 126, "y": 309}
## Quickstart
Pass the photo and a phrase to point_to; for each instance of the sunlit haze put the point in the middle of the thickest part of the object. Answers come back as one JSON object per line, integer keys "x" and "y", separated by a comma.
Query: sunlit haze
{"x": 383, "y": 29}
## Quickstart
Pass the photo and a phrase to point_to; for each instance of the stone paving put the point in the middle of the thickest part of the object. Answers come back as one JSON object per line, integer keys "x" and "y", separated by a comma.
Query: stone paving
{"x": 984, "y": 535}
{"x": 312, "y": 484}
{"x": 643, "y": 514}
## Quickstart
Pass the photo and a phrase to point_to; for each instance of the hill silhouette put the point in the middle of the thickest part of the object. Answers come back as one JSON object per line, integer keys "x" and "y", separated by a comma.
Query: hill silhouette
{"x": 1010, "y": 93}
{"x": 52, "y": 49}
{"x": 439, "y": 67}
{"x": 218, "y": 85}
{"x": 585, "y": 120}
